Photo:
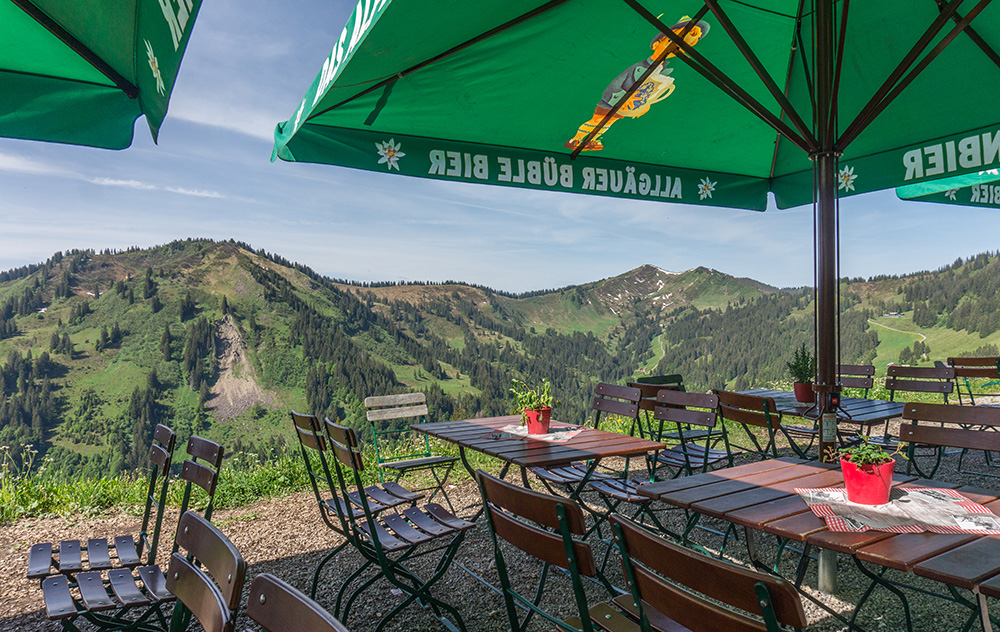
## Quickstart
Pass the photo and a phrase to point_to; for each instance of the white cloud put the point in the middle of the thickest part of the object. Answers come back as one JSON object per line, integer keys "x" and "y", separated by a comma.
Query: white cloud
{"x": 251, "y": 122}
{"x": 20, "y": 164}
{"x": 145, "y": 186}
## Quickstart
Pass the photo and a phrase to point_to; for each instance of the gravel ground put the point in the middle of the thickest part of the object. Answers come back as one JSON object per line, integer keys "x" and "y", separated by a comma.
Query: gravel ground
{"x": 285, "y": 537}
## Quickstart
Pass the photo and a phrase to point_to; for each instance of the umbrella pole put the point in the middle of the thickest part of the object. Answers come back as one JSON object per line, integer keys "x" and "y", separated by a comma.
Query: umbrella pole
{"x": 825, "y": 171}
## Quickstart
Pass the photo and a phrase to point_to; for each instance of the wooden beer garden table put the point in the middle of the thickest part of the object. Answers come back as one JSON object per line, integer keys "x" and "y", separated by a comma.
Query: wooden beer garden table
{"x": 853, "y": 410}
{"x": 483, "y": 435}
{"x": 761, "y": 497}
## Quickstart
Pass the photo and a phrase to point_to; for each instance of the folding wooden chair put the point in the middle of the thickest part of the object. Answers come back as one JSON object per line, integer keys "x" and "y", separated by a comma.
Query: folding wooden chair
{"x": 332, "y": 509}
{"x": 44, "y": 559}
{"x": 213, "y": 596}
{"x": 549, "y": 529}
{"x": 392, "y": 541}
{"x": 914, "y": 379}
{"x": 390, "y": 417}
{"x": 963, "y": 427}
{"x": 278, "y": 607}
{"x": 751, "y": 411}
{"x": 127, "y": 601}
{"x": 608, "y": 399}
{"x": 857, "y": 376}
{"x": 974, "y": 368}
{"x": 674, "y": 588}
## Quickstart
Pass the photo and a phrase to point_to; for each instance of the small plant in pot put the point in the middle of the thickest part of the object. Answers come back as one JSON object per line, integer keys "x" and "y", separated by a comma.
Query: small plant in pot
{"x": 867, "y": 471}
{"x": 802, "y": 368}
{"x": 534, "y": 404}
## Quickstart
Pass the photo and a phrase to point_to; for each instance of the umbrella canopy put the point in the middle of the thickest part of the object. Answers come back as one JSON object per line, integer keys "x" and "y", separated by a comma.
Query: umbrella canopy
{"x": 711, "y": 102}
{"x": 81, "y": 72}
{"x": 977, "y": 189}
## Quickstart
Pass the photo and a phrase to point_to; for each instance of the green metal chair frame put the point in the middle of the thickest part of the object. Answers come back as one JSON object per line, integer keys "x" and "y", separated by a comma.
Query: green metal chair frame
{"x": 975, "y": 368}
{"x": 212, "y": 597}
{"x": 548, "y": 528}
{"x": 673, "y": 588}
{"x": 332, "y": 509}
{"x": 278, "y": 607}
{"x": 392, "y": 540}
{"x": 385, "y": 413}
{"x": 44, "y": 559}
{"x": 109, "y": 603}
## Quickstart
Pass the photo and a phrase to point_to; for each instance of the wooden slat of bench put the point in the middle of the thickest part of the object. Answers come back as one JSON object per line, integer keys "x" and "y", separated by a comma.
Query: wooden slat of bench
{"x": 419, "y": 463}
{"x": 95, "y": 596}
{"x": 58, "y": 602}
{"x": 950, "y": 437}
{"x": 98, "y": 557}
{"x": 70, "y": 559}
{"x": 40, "y": 560}
{"x": 123, "y": 585}
{"x": 125, "y": 547}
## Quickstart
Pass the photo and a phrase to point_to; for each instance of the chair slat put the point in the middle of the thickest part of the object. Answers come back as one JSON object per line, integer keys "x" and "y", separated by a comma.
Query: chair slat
{"x": 206, "y": 450}
{"x": 70, "y": 559}
{"x": 198, "y": 594}
{"x": 918, "y": 386}
{"x": 949, "y": 437}
{"x": 93, "y": 593}
{"x": 155, "y": 583}
{"x": 58, "y": 600}
{"x": 98, "y": 557}
{"x": 921, "y": 372}
{"x": 215, "y": 552}
{"x": 386, "y": 414}
{"x": 402, "y": 399}
{"x": 123, "y": 585}
{"x": 964, "y": 415}
{"x": 276, "y": 606}
{"x": 404, "y": 530}
{"x": 539, "y": 543}
{"x": 201, "y": 475}
{"x": 125, "y": 548}
{"x": 534, "y": 506}
{"x": 438, "y": 513}
{"x": 39, "y": 560}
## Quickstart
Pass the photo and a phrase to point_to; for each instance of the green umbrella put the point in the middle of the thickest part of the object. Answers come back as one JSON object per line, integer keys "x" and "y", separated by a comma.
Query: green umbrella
{"x": 976, "y": 189}
{"x": 82, "y": 71}
{"x": 713, "y": 103}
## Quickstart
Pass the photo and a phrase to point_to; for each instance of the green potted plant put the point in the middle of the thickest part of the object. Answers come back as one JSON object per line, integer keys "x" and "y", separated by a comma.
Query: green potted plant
{"x": 534, "y": 404}
{"x": 802, "y": 368}
{"x": 867, "y": 470}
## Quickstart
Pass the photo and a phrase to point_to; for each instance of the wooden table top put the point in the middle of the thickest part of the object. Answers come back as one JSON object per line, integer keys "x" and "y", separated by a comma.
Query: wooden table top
{"x": 590, "y": 444}
{"x": 761, "y": 496}
{"x": 862, "y": 411}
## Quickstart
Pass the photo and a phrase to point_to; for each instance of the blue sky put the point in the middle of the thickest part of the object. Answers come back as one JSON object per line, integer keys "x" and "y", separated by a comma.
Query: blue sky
{"x": 247, "y": 66}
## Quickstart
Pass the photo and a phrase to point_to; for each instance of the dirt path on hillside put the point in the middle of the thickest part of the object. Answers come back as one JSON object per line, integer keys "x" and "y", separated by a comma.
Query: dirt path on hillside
{"x": 236, "y": 389}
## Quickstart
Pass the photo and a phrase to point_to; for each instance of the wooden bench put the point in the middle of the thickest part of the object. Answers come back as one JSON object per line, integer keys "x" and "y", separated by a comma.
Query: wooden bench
{"x": 985, "y": 367}
{"x": 963, "y": 427}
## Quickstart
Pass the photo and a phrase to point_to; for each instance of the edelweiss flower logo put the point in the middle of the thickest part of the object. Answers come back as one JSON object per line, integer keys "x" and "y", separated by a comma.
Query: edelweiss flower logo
{"x": 950, "y": 193}
{"x": 846, "y": 177}
{"x": 705, "y": 188}
{"x": 154, "y": 65}
{"x": 389, "y": 150}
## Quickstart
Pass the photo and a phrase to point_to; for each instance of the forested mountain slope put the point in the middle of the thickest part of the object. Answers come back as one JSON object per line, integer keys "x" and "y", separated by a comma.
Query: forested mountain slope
{"x": 222, "y": 340}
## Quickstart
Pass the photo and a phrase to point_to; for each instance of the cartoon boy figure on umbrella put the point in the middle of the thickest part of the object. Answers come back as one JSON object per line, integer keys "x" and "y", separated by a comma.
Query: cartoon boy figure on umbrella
{"x": 657, "y": 86}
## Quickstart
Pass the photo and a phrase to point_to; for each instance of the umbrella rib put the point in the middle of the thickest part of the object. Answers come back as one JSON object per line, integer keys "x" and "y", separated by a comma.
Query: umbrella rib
{"x": 451, "y": 51}
{"x": 78, "y": 47}
{"x": 716, "y": 77}
{"x": 931, "y": 56}
{"x": 974, "y": 36}
{"x": 796, "y": 50}
{"x": 758, "y": 67}
{"x": 877, "y": 104}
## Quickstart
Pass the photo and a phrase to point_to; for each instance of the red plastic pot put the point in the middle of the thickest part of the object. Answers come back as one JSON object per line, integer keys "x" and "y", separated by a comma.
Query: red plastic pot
{"x": 538, "y": 420}
{"x": 867, "y": 484}
{"x": 804, "y": 392}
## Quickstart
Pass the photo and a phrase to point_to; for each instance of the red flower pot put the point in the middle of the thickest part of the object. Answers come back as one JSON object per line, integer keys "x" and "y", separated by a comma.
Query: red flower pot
{"x": 804, "y": 392}
{"x": 538, "y": 420}
{"x": 867, "y": 484}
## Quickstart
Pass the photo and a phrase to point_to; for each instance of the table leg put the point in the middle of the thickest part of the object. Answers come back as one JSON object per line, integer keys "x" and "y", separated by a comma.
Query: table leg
{"x": 827, "y": 573}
